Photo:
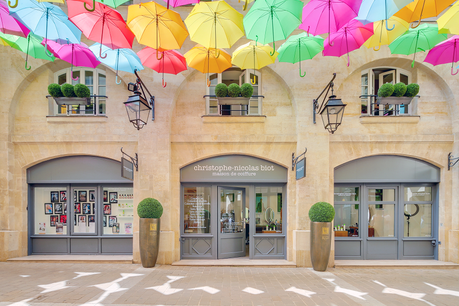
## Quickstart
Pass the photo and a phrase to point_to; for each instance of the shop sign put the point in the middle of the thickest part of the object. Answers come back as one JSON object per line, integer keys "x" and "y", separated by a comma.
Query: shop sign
{"x": 127, "y": 169}
{"x": 301, "y": 169}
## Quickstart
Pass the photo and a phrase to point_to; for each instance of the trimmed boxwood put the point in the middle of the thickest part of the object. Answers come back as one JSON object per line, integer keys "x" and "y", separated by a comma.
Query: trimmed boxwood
{"x": 234, "y": 90}
{"x": 322, "y": 212}
{"x": 221, "y": 90}
{"x": 386, "y": 90}
{"x": 412, "y": 90}
{"x": 246, "y": 90}
{"x": 54, "y": 90}
{"x": 68, "y": 91}
{"x": 149, "y": 208}
{"x": 399, "y": 89}
{"x": 82, "y": 91}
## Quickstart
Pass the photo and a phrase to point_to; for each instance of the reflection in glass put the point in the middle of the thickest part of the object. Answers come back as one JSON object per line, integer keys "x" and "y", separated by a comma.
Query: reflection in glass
{"x": 196, "y": 209}
{"x": 381, "y": 220}
{"x": 346, "y": 194}
{"x": 380, "y": 195}
{"x": 268, "y": 209}
{"x": 418, "y": 193}
{"x": 348, "y": 215}
{"x": 418, "y": 220}
{"x": 231, "y": 211}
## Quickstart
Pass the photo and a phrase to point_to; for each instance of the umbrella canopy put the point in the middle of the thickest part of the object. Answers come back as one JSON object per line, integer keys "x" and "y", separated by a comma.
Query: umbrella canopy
{"x": 209, "y": 21}
{"x": 448, "y": 22}
{"x": 119, "y": 59}
{"x": 300, "y": 47}
{"x": 206, "y": 60}
{"x": 445, "y": 52}
{"x": 103, "y": 25}
{"x": 176, "y": 3}
{"x": 382, "y": 36}
{"x": 423, "y": 9}
{"x": 423, "y": 38}
{"x": 9, "y": 25}
{"x": 156, "y": 27}
{"x": 350, "y": 37}
{"x": 111, "y": 3}
{"x": 376, "y": 10}
{"x": 271, "y": 20}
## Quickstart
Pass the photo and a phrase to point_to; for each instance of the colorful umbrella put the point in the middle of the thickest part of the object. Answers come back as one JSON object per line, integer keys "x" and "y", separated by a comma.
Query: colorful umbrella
{"x": 328, "y": 16}
{"x": 376, "y": 10}
{"x": 300, "y": 47}
{"x": 423, "y": 9}
{"x": 119, "y": 59}
{"x": 156, "y": 27}
{"x": 211, "y": 20}
{"x": 382, "y": 36}
{"x": 253, "y": 56}
{"x": 423, "y": 38}
{"x": 112, "y": 3}
{"x": 445, "y": 52}
{"x": 350, "y": 37}
{"x": 176, "y": 3}
{"x": 31, "y": 46}
{"x": 271, "y": 20}
{"x": 448, "y": 22}
{"x": 103, "y": 25}
{"x": 171, "y": 61}
{"x": 9, "y": 25}
{"x": 46, "y": 20}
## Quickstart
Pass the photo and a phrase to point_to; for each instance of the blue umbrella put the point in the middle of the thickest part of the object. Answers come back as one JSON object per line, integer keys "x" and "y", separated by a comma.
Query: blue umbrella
{"x": 46, "y": 20}
{"x": 119, "y": 59}
{"x": 376, "y": 10}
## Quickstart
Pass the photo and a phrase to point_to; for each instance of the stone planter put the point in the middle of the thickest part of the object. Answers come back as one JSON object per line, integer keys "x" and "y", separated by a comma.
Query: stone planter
{"x": 149, "y": 231}
{"x": 233, "y": 101}
{"x": 320, "y": 241}
{"x": 394, "y": 100}
{"x": 72, "y": 101}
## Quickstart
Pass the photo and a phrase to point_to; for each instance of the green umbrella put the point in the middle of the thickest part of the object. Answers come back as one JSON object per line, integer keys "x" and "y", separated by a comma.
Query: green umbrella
{"x": 112, "y": 3}
{"x": 422, "y": 38}
{"x": 31, "y": 46}
{"x": 300, "y": 47}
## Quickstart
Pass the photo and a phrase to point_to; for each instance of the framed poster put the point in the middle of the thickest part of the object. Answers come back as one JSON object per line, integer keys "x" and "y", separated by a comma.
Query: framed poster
{"x": 82, "y": 195}
{"x": 77, "y": 208}
{"x": 86, "y": 208}
{"x": 58, "y": 208}
{"x": 82, "y": 219}
{"x": 105, "y": 196}
{"x": 63, "y": 219}
{"x": 48, "y": 208}
{"x": 53, "y": 219}
{"x": 107, "y": 209}
{"x": 92, "y": 195}
{"x": 105, "y": 221}
{"x": 91, "y": 219}
{"x": 63, "y": 196}
{"x": 111, "y": 221}
{"x": 113, "y": 197}
{"x": 54, "y": 196}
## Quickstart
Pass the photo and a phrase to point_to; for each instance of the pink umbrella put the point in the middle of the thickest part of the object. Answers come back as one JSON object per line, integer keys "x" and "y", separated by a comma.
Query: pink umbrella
{"x": 76, "y": 54}
{"x": 350, "y": 37}
{"x": 328, "y": 16}
{"x": 8, "y": 24}
{"x": 445, "y": 52}
{"x": 176, "y": 3}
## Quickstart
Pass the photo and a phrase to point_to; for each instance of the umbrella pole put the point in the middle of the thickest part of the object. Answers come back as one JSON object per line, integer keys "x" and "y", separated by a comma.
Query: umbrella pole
{"x": 347, "y": 47}
{"x": 157, "y": 40}
{"x": 380, "y": 36}
{"x": 208, "y": 69}
{"x": 452, "y": 63}
{"x": 46, "y": 35}
{"x": 420, "y": 17}
{"x": 299, "y": 57}
{"x": 27, "y": 53}
{"x": 117, "y": 61}
{"x": 71, "y": 67}
{"x": 217, "y": 52}
{"x": 415, "y": 50}
{"x": 163, "y": 83}
{"x": 101, "y": 37}
{"x": 329, "y": 23}
{"x": 254, "y": 81}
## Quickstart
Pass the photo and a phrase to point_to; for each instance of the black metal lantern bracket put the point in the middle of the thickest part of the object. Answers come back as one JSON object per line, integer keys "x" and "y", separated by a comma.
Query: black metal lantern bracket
{"x": 295, "y": 160}
{"x": 452, "y": 161}
{"x": 327, "y": 88}
{"x": 140, "y": 85}
{"x": 135, "y": 160}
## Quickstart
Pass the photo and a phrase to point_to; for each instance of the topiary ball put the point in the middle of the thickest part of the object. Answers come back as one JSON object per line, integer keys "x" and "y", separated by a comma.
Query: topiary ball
{"x": 221, "y": 90}
{"x": 322, "y": 212}
{"x": 412, "y": 90}
{"x": 68, "y": 91}
{"x": 386, "y": 90}
{"x": 149, "y": 208}
{"x": 399, "y": 89}
{"x": 82, "y": 91}
{"x": 234, "y": 90}
{"x": 246, "y": 90}
{"x": 54, "y": 90}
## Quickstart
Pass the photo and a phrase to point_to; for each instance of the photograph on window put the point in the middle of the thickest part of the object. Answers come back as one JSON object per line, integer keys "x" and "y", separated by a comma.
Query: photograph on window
{"x": 54, "y": 196}
{"x": 63, "y": 196}
{"x": 48, "y": 208}
{"x": 92, "y": 195}
{"x": 58, "y": 208}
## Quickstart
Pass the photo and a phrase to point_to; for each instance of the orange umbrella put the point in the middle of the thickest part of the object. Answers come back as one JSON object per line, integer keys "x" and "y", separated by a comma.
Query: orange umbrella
{"x": 420, "y": 9}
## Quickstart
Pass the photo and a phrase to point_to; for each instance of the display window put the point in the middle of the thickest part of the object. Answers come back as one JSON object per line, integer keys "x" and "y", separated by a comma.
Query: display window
{"x": 118, "y": 211}
{"x": 51, "y": 211}
{"x": 268, "y": 210}
{"x": 197, "y": 210}
{"x": 85, "y": 212}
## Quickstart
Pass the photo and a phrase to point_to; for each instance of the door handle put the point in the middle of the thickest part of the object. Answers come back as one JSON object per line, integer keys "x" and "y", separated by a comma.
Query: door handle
{"x": 182, "y": 240}
{"x": 434, "y": 243}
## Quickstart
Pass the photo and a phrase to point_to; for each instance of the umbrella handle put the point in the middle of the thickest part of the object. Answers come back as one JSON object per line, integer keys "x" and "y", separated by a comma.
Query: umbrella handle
{"x": 302, "y": 75}
{"x": 217, "y": 53}
{"x": 452, "y": 69}
{"x": 71, "y": 75}
{"x": 163, "y": 83}
{"x": 118, "y": 82}
{"x": 13, "y": 6}
{"x": 100, "y": 52}
{"x": 208, "y": 83}
{"x": 47, "y": 52}
{"x": 379, "y": 47}
{"x": 387, "y": 26}
{"x": 348, "y": 61}
{"x": 245, "y": 5}
{"x": 329, "y": 42}
{"x": 254, "y": 81}
{"x": 93, "y": 6}
{"x": 274, "y": 49}
{"x": 28, "y": 68}
{"x": 414, "y": 26}
{"x": 162, "y": 55}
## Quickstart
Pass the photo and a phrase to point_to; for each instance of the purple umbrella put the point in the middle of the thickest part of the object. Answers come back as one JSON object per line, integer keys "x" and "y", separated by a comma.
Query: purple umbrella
{"x": 8, "y": 24}
{"x": 445, "y": 52}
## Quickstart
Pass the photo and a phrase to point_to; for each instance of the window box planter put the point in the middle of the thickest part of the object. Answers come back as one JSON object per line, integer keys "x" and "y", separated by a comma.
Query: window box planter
{"x": 72, "y": 101}
{"x": 233, "y": 100}
{"x": 394, "y": 100}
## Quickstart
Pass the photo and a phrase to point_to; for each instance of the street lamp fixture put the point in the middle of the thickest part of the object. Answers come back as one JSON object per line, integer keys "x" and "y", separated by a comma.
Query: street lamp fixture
{"x": 137, "y": 106}
{"x": 332, "y": 112}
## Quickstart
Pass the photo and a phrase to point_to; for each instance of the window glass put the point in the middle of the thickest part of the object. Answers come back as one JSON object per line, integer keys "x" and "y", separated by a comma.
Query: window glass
{"x": 61, "y": 79}
{"x": 404, "y": 79}
{"x": 418, "y": 194}
{"x": 418, "y": 220}
{"x": 346, "y": 194}
{"x": 76, "y": 74}
{"x": 268, "y": 209}
{"x": 379, "y": 195}
{"x": 85, "y": 218}
{"x": 196, "y": 210}
{"x": 50, "y": 210}
{"x": 381, "y": 220}
{"x": 388, "y": 78}
{"x": 118, "y": 211}
{"x": 347, "y": 220}
{"x": 232, "y": 212}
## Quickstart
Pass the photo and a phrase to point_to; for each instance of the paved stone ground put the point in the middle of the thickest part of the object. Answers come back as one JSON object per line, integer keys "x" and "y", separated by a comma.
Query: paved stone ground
{"x": 63, "y": 284}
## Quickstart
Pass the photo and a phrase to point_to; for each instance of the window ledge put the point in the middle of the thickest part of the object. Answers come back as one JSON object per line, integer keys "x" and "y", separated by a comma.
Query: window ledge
{"x": 389, "y": 119}
{"x": 233, "y": 119}
{"x": 77, "y": 119}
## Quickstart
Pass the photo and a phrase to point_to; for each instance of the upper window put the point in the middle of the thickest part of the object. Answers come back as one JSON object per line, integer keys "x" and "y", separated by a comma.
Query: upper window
{"x": 94, "y": 79}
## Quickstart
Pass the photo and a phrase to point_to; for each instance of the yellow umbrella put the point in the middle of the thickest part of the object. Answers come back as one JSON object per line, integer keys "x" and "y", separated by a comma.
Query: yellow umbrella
{"x": 448, "y": 22}
{"x": 382, "y": 36}
{"x": 155, "y": 26}
{"x": 215, "y": 24}
{"x": 254, "y": 56}
{"x": 420, "y": 9}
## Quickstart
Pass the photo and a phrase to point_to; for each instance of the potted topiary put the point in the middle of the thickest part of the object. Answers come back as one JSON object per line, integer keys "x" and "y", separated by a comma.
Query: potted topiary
{"x": 150, "y": 211}
{"x": 67, "y": 94}
{"x": 321, "y": 215}
{"x": 233, "y": 94}
{"x": 397, "y": 94}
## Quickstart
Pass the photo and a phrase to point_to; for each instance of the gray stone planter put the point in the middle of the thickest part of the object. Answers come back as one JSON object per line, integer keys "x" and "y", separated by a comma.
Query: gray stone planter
{"x": 72, "y": 101}
{"x": 149, "y": 232}
{"x": 233, "y": 101}
{"x": 320, "y": 243}
{"x": 394, "y": 100}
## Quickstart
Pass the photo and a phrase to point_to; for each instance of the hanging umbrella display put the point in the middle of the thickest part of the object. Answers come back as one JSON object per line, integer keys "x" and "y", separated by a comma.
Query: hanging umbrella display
{"x": 271, "y": 20}
{"x": 46, "y": 20}
{"x": 382, "y": 36}
{"x": 156, "y": 27}
{"x": 103, "y": 25}
{"x": 422, "y": 38}
{"x": 376, "y": 10}
{"x": 30, "y": 46}
{"x": 111, "y": 3}
{"x": 171, "y": 61}
{"x": 445, "y": 52}
{"x": 448, "y": 22}
{"x": 119, "y": 59}
{"x": 215, "y": 24}
{"x": 420, "y": 9}
{"x": 176, "y": 3}
{"x": 350, "y": 37}
{"x": 328, "y": 16}
{"x": 9, "y": 25}
{"x": 253, "y": 56}
{"x": 300, "y": 47}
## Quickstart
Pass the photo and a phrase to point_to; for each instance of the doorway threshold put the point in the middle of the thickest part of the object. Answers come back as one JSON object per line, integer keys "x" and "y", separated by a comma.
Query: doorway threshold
{"x": 404, "y": 264}
{"x": 236, "y": 262}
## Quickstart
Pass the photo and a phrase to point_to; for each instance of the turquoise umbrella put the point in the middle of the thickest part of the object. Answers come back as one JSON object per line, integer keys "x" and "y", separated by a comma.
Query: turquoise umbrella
{"x": 376, "y": 10}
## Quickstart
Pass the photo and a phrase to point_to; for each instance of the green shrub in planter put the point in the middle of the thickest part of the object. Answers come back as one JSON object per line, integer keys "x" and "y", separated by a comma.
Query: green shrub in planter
{"x": 234, "y": 90}
{"x": 399, "y": 89}
{"x": 246, "y": 90}
{"x": 386, "y": 90}
{"x": 221, "y": 90}
{"x": 54, "y": 90}
{"x": 82, "y": 91}
{"x": 322, "y": 212}
{"x": 67, "y": 90}
{"x": 412, "y": 90}
{"x": 149, "y": 208}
